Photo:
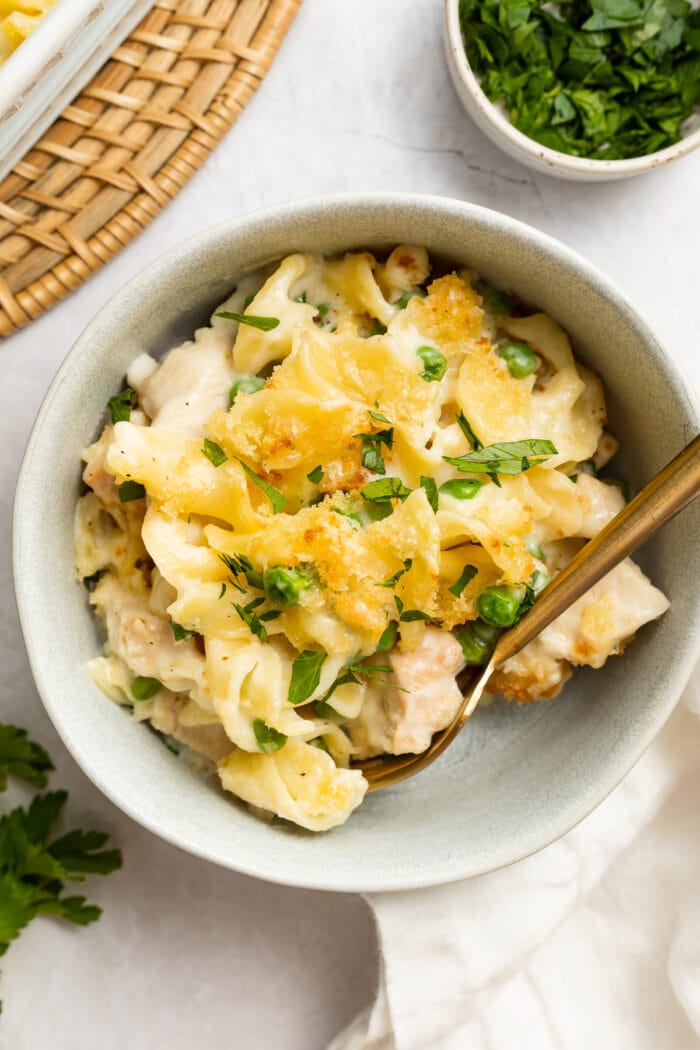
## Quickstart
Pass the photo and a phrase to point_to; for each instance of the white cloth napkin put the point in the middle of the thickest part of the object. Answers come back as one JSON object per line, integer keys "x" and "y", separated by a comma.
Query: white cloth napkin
{"x": 591, "y": 944}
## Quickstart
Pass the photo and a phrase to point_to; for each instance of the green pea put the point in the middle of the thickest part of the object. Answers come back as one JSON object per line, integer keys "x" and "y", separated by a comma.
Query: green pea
{"x": 535, "y": 550}
{"x": 477, "y": 640}
{"x": 249, "y": 385}
{"x": 388, "y": 637}
{"x": 461, "y": 488}
{"x": 496, "y": 300}
{"x": 403, "y": 301}
{"x": 521, "y": 360}
{"x": 435, "y": 363}
{"x": 498, "y": 606}
{"x": 144, "y": 688}
{"x": 285, "y": 586}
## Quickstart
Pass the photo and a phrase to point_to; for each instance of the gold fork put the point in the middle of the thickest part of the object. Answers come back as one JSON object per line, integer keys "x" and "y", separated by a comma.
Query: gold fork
{"x": 671, "y": 490}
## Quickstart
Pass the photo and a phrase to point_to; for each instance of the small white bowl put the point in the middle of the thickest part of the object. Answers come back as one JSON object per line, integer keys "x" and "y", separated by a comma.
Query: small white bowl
{"x": 494, "y": 123}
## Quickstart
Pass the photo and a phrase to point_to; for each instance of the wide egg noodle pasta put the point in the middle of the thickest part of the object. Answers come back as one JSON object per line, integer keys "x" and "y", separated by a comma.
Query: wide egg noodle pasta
{"x": 18, "y": 20}
{"x": 333, "y": 471}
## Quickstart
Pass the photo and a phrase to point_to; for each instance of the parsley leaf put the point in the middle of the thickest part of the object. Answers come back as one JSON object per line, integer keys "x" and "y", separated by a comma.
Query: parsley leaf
{"x": 466, "y": 428}
{"x": 276, "y": 498}
{"x": 507, "y": 457}
{"x": 431, "y": 491}
{"x": 383, "y": 490}
{"x": 130, "y": 490}
{"x": 252, "y": 620}
{"x": 120, "y": 405}
{"x": 371, "y": 449}
{"x": 239, "y": 565}
{"x": 180, "y": 633}
{"x": 268, "y": 739}
{"x": 468, "y": 573}
{"x": 393, "y": 580}
{"x": 315, "y": 475}
{"x": 22, "y": 757}
{"x": 265, "y": 324}
{"x": 214, "y": 452}
{"x": 306, "y": 674}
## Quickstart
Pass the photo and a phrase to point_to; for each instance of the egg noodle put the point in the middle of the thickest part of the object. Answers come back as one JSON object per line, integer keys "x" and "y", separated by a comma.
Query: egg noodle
{"x": 302, "y": 524}
{"x": 19, "y": 18}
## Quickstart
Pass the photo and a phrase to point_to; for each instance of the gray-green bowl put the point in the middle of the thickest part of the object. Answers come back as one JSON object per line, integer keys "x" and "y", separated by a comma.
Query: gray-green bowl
{"x": 518, "y": 777}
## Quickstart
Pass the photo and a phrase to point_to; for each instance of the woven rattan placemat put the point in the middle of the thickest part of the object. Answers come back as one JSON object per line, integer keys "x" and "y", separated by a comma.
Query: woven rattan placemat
{"x": 129, "y": 143}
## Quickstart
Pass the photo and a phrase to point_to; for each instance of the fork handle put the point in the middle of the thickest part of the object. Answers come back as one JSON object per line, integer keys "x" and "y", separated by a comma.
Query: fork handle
{"x": 671, "y": 490}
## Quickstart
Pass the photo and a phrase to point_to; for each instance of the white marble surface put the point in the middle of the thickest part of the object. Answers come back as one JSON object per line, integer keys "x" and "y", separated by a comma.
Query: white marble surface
{"x": 186, "y": 954}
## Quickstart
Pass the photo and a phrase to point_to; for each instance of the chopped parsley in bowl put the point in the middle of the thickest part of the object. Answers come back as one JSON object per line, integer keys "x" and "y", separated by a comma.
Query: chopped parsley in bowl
{"x": 585, "y": 89}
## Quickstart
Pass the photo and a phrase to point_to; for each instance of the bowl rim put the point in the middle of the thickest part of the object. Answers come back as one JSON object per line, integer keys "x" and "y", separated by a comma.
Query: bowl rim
{"x": 319, "y": 207}
{"x": 539, "y": 154}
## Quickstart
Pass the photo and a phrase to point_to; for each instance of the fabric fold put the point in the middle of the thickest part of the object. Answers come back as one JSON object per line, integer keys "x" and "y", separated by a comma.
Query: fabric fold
{"x": 594, "y": 941}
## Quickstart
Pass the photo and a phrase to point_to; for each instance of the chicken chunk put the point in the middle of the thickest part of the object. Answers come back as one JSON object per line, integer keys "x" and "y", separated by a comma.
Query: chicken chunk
{"x": 403, "y": 720}
{"x": 145, "y": 641}
{"x": 191, "y": 382}
{"x": 597, "y": 626}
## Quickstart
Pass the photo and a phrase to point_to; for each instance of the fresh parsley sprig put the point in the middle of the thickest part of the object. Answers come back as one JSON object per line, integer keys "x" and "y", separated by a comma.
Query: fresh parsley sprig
{"x": 34, "y": 864}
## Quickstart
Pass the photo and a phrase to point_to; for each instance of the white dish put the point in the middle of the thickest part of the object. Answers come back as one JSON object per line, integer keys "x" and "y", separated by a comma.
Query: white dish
{"x": 521, "y": 775}
{"x": 55, "y": 62}
{"x": 494, "y": 123}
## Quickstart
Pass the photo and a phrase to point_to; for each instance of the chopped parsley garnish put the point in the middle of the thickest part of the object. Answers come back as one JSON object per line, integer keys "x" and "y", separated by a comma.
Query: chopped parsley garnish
{"x": 306, "y": 674}
{"x": 239, "y": 565}
{"x": 351, "y": 514}
{"x": 606, "y": 79}
{"x": 393, "y": 580}
{"x": 180, "y": 633}
{"x": 466, "y": 428}
{"x": 130, "y": 490}
{"x": 214, "y": 452}
{"x": 507, "y": 457}
{"x": 468, "y": 573}
{"x": 378, "y": 416}
{"x": 383, "y": 490}
{"x": 268, "y": 739}
{"x": 388, "y": 637}
{"x": 256, "y": 623}
{"x": 377, "y": 327}
{"x": 265, "y": 324}
{"x": 143, "y": 688}
{"x": 431, "y": 491}
{"x": 276, "y": 498}
{"x": 411, "y": 615}
{"x": 315, "y": 475}
{"x": 323, "y": 309}
{"x": 372, "y": 446}
{"x": 120, "y": 405}
{"x": 620, "y": 484}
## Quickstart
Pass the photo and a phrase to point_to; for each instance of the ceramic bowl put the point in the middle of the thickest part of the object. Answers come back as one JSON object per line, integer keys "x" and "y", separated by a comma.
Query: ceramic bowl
{"x": 494, "y": 122}
{"x": 519, "y": 776}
